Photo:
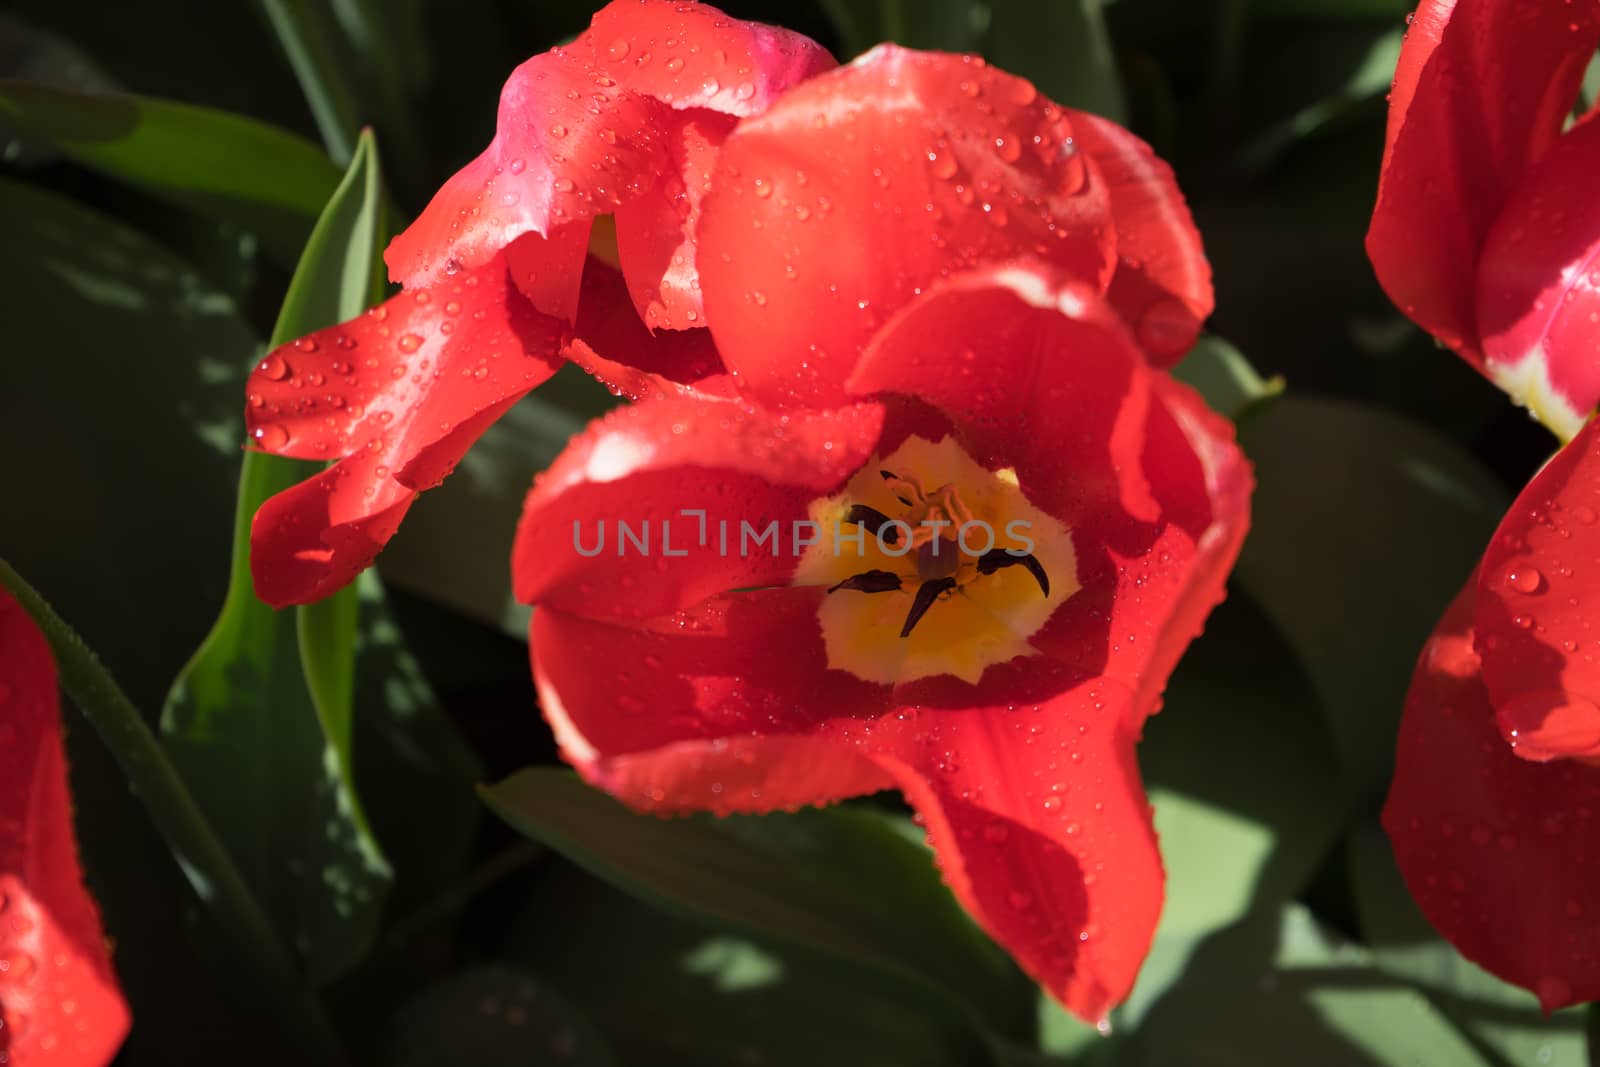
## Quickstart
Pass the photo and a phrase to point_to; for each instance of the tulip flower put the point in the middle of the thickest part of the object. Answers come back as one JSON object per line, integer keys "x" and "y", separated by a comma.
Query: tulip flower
{"x": 59, "y": 999}
{"x": 623, "y": 122}
{"x": 658, "y": 112}
{"x": 969, "y": 583}
{"x": 1485, "y": 233}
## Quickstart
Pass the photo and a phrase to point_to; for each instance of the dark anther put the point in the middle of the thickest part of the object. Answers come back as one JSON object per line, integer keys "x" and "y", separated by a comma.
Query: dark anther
{"x": 996, "y": 558}
{"x": 927, "y": 593}
{"x": 891, "y": 476}
{"x": 870, "y": 582}
{"x": 874, "y": 520}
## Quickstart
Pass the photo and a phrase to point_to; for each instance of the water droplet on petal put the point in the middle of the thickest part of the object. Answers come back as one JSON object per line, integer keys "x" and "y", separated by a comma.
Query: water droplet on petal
{"x": 1550, "y": 724}
{"x": 618, "y": 49}
{"x": 1524, "y": 579}
{"x": 270, "y": 437}
{"x": 273, "y": 367}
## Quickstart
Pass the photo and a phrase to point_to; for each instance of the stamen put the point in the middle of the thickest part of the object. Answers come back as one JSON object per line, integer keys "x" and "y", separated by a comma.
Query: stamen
{"x": 996, "y": 558}
{"x": 874, "y": 521}
{"x": 870, "y": 582}
{"x": 927, "y": 593}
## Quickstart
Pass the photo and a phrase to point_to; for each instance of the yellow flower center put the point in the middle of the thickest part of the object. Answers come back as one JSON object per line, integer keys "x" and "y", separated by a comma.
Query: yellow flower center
{"x": 934, "y": 565}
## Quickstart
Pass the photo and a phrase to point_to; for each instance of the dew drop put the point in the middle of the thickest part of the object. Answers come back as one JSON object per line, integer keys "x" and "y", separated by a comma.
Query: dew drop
{"x": 517, "y": 166}
{"x": 1524, "y": 579}
{"x": 618, "y": 49}
{"x": 270, "y": 437}
{"x": 1166, "y": 326}
{"x": 273, "y": 368}
{"x": 675, "y": 64}
{"x": 409, "y": 342}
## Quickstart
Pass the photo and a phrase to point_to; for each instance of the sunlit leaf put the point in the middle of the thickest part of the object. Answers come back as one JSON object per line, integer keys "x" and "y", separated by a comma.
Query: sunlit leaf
{"x": 256, "y": 728}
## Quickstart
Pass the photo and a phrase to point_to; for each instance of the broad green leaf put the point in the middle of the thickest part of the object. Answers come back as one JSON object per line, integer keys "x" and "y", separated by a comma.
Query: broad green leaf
{"x": 844, "y": 881}
{"x": 1365, "y": 525}
{"x": 266, "y": 180}
{"x": 1239, "y": 769}
{"x": 670, "y": 991}
{"x": 493, "y": 1016}
{"x": 261, "y": 731}
{"x": 1501, "y": 1016}
{"x": 1062, "y": 47}
{"x": 1281, "y": 989}
{"x": 121, "y": 384}
{"x": 1225, "y": 377}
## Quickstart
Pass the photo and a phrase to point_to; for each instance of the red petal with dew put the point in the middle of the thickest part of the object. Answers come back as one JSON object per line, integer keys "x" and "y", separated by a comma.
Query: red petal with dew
{"x": 60, "y": 1003}
{"x": 401, "y": 393}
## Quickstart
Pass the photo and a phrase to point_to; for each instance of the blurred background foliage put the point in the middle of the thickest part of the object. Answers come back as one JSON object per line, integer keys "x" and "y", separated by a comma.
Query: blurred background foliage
{"x": 162, "y": 164}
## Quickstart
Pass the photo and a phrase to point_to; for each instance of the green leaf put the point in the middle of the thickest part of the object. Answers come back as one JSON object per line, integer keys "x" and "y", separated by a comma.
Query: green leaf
{"x": 1239, "y": 769}
{"x": 1502, "y": 1016}
{"x": 493, "y": 1016}
{"x": 264, "y": 179}
{"x": 1062, "y": 47}
{"x": 1281, "y": 989}
{"x": 259, "y": 730}
{"x": 1365, "y": 525}
{"x": 1225, "y": 377}
{"x": 844, "y": 881}
{"x": 675, "y": 992}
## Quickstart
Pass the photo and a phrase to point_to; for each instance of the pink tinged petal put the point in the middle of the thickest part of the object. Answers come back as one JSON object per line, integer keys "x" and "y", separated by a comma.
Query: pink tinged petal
{"x": 692, "y": 55}
{"x": 1500, "y": 852}
{"x": 656, "y": 229}
{"x": 401, "y": 392}
{"x": 1162, "y": 284}
{"x": 860, "y": 188}
{"x": 60, "y": 1003}
{"x": 1039, "y": 821}
{"x": 700, "y": 714}
{"x": 568, "y": 145}
{"x": 1535, "y": 609}
{"x": 1539, "y": 286}
{"x": 732, "y": 467}
{"x": 1481, "y": 92}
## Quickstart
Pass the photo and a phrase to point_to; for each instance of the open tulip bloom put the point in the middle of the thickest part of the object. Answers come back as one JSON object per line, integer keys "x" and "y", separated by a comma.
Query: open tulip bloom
{"x": 908, "y": 501}
{"x": 1486, "y": 233}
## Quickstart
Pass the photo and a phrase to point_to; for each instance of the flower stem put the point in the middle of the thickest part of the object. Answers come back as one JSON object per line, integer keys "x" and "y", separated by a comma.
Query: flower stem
{"x": 172, "y": 808}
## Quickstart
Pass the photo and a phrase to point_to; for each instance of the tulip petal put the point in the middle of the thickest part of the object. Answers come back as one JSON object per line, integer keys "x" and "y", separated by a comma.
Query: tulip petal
{"x": 1003, "y": 352}
{"x": 1534, "y": 610}
{"x": 1040, "y": 824}
{"x": 402, "y": 392}
{"x": 709, "y": 476}
{"x": 1539, "y": 286}
{"x": 1481, "y": 92}
{"x": 1217, "y": 526}
{"x": 1499, "y": 851}
{"x": 656, "y": 229}
{"x": 583, "y": 129}
{"x": 568, "y": 146}
{"x": 59, "y": 998}
{"x": 614, "y": 346}
{"x": 701, "y": 714}
{"x": 1162, "y": 285}
{"x": 938, "y": 162}
{"x": 691, "y": 55}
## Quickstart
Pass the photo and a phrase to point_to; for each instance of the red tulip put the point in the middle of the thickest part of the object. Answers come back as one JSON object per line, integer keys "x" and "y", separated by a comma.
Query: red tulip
{"x": 997, "y": 669}
{"x": 59, "y": 999}
{"x": 789, "y": 207}
{"x": 1486, "y": 229}
{"x": 1485, "y": 233}
{"x": 626, "y": 120}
